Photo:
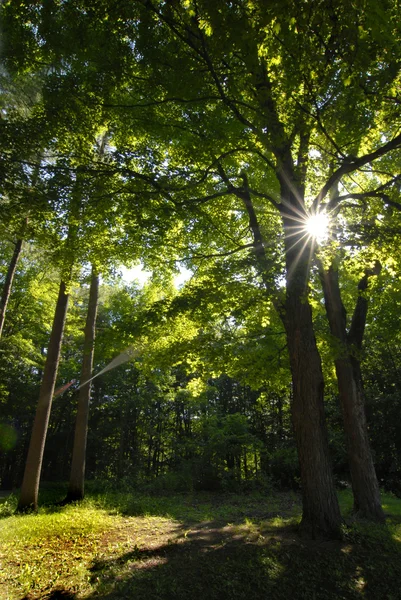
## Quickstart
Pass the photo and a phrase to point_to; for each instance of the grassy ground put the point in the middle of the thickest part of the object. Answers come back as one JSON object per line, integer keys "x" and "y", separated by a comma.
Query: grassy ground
{"x": 115, "y": 546}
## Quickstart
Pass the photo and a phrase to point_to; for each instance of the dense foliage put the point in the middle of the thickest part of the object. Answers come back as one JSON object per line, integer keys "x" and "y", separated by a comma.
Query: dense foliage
{"x": 204, "y": 135}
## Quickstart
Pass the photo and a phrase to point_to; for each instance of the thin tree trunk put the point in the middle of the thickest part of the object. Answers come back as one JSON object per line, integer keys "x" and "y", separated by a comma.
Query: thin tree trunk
{"x": 30, "y": 484}
{"x": 245, "y": 465}
{"x": 77, "y": 476}
{"x": 365, "y": 486}
{"x": 5, "y": 296}
{"x": 149, "y": 456}
{"x": 280, "y": 425}
{"x": 122, "y": 444}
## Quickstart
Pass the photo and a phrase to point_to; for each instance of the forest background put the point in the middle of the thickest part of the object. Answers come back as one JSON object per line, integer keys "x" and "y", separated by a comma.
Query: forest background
{"x": 201, "y": 136}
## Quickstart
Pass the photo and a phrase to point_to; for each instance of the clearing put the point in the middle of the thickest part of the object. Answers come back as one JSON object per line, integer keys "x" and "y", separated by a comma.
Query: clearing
{"x": 122, "y": 545}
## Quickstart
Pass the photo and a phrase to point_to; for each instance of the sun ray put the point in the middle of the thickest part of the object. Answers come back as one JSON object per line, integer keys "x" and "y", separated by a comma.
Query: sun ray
{"x": 317, "y": 226}
{"x": 306, "y": 231}
{"x": 299, "y": 254}
{"x": 305, "y": 238}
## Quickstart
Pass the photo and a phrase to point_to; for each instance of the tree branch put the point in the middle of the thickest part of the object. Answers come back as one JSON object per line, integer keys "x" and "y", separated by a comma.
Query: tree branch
{"x": 163, "y": 101}
{"x": 353, "y": 165}
{"x": 377, "y": 193}
{"x": 357, "y": 329}
{"x": 218, "y": 254}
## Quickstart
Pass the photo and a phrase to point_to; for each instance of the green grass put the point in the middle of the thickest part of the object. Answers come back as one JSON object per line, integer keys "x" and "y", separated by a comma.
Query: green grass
{"x": 53, "y": 548}
{"x": 122, "y": 545}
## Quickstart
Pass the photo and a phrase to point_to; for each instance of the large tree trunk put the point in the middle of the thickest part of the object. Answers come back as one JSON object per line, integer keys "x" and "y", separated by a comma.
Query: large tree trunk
{"x": 77, "y": 476}
{"x": 365, "y": 487}
{"x": 30, "y": 484}
{"x": 5, "y": 296}
{"x": 321, "y": 513}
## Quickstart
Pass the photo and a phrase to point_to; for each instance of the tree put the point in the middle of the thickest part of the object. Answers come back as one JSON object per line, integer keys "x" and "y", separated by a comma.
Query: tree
{"x": 8, "y": 283}
{"x": 26, "y": 335}
{"x": 67, "y": 255}
{"x": 287, "y": 84}
{"x": 77, "y": 476}
{"x": 84, "y": 228}
{"x": 30, "y": 484}
{"x": 364, "y": 481}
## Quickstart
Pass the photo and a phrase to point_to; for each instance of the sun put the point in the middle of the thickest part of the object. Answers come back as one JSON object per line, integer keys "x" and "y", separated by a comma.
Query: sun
{"x": 317, "y": 226}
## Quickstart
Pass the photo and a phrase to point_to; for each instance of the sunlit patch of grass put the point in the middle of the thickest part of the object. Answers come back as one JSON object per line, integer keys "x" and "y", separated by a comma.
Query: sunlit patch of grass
{"x": 281, "y": 522}
{"x": 397, "y": 534}
{"x": 272, "y": 566}
{"x": 52, "y": 548}
{"x": 391, "y": 505}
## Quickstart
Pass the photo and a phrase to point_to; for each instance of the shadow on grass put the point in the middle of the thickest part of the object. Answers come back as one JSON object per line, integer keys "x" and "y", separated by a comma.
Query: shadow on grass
{"x": 57, "y": 594}
{"x": 224, "y": 547}
{"x": 210, "y": 563}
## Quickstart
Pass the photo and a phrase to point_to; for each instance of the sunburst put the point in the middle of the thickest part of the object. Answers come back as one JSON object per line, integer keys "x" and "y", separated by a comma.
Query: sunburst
{"x": 317, "y": 226}
{"x": 308, "y": 230}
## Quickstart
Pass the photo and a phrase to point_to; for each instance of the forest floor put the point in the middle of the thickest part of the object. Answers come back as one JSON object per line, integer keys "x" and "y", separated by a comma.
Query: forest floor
{"x": 119, "y": 545}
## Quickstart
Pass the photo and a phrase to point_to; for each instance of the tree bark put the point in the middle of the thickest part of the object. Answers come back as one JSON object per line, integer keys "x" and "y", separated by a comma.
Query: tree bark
{"x": 365, "y": 486}
{"x": 77, "y": 476}
{"x": 321, "y": 513}
{"x": 30, "y": 484}
{"x": 5, "y": 296}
